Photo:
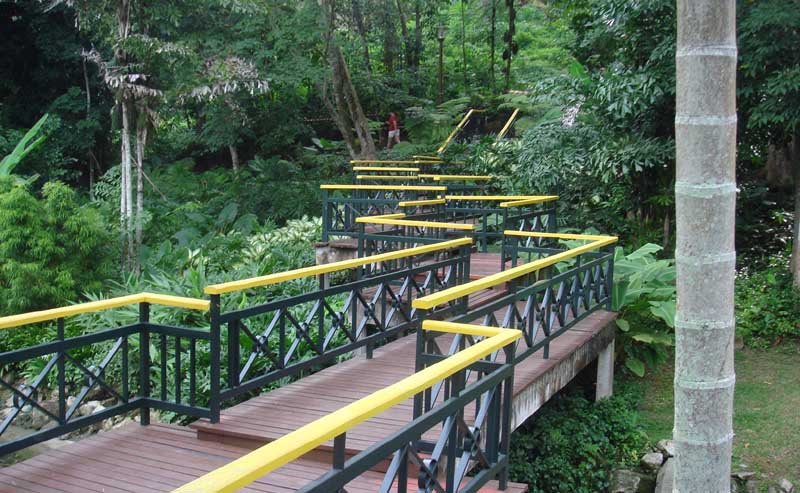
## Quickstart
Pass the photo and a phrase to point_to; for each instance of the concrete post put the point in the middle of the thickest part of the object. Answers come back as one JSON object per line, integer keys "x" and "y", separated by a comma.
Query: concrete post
{"x": 605, "y": 373}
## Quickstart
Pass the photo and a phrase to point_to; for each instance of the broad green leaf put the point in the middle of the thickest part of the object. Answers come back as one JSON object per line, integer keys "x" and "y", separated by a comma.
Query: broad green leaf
{"x": 665, "y": 310}
{"x": 623, "y": 325}
{"x": 635, "y": 365}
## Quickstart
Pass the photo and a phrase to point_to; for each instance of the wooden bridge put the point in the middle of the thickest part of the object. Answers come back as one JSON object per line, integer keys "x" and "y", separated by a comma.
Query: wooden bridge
{"x": 407, "y": 367}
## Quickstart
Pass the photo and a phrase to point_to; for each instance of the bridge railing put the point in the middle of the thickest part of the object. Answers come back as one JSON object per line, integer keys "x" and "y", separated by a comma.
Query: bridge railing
{"x": 542, "y": 307}
{"x": 392, "y": 232}
{"x": 285, "y": 337}
{"x": 137, "y": 354}
{"x": 343, "y": 204}
{"x": 481, "y": 451}
{"x": 494, "y": 214}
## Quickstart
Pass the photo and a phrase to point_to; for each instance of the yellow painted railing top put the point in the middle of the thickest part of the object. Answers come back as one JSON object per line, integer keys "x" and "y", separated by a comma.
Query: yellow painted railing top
{"x": 560, "y": 236}
{"x": 456, "y": 130}
{"x": 493, "y": 280}
{"x": 504, "y": 198}
{"x": 101, "y": 305}
{"x": 414, "y": 203}
{"x": 279, "y": 277}
{"x": 393, "y": 220}
{"x": 390, "y": 169}
{"x": 507, "y": 126}
{"x": 457, "y": 177}
{"x": 388, "y": 188}
{"x": 530, "y": 201}
{"x": 392, "y": 161}
{"x": 388, "y": 177}
{"x": 249, "y": 468}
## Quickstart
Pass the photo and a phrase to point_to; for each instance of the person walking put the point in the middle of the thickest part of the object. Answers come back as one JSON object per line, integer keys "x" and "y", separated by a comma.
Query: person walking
{"x": 394, "y": 131}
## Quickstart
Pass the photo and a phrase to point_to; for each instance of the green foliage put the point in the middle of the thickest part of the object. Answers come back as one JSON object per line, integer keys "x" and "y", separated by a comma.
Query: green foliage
{"x": 770, "y": 67}
{"x": 767, "y": 305}
{"x": 26, "y": 145}
{"x": 572, "y": 444}
{"x": 51, "y": 249}
{"x": 644, "y": 295}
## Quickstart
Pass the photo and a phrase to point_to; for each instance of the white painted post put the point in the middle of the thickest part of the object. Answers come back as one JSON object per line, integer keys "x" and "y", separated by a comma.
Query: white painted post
{"x": 605, "y": 373}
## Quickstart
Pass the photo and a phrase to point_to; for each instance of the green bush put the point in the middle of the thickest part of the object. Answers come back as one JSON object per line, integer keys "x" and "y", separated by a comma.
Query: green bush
{"x": 767, "y": 305}
{"x": 572, "y": 444}
{"x": 51, "y": 249}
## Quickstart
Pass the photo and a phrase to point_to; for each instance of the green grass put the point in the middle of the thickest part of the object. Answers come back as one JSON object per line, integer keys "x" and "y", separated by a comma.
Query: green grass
{"x": 766, "y": 410}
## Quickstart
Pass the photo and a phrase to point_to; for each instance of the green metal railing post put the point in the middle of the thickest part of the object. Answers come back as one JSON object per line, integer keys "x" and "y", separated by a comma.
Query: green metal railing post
{"x": 214, "y": 335}
{"x": 144, "y": 362}
{"x": 233, "y": 354}
{"x": 62, "y": 378}
{"x": 326, "y": 216}
{"x": 505, "y": 425}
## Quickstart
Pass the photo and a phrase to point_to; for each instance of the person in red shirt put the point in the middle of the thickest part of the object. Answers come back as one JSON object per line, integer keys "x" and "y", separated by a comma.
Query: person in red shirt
{"x": 394, "y": 131}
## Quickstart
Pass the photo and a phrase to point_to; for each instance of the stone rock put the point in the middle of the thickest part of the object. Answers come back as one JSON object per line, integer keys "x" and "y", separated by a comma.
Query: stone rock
{"x": 666, "y": 477}
{"x": 743, "y": 475}
{"x": 122, "y": 423}
{"x": 90, "y": 408}
{"x": 70, "y": 401}
{"x": 751, "y": 486}
{"x": 666, "y": 447}
{"x": 786, "y": 486}
{"x": 627, "y": 481}
{"x": 652, "y": 461}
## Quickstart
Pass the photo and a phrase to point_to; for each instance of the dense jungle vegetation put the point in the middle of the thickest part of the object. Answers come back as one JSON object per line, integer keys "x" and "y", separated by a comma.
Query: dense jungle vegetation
{"x": 168, "y": 145}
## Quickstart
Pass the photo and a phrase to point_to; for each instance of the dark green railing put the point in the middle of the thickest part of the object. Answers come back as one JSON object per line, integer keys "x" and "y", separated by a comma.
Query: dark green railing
{"x": 285, "y": 337}
{"x": 151, "y": 365}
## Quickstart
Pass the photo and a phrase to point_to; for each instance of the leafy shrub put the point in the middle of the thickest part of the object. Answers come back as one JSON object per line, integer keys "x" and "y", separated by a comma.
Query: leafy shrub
{"x": 644, "y": 295}
{"x": 767, "y": 305}
{"x": 572, "y": 444}
{"x": 51, "y": 249}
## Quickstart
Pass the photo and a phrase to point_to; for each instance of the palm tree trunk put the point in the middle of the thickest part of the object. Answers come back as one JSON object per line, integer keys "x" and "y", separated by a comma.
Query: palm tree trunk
{"x": 141, "y": 143}
{"x": 125, "y": 192}
{"x": 705, "y": 199}
{"x": 796, "y": 235}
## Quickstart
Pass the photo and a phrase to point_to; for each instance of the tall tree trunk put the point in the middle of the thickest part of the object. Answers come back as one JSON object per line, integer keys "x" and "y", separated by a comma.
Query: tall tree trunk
{"x": 358, "y": 19}
{"x": 141, "y": 144}
{"x": 705, "y": 199}
{"x": 409, "y": 47}
{"x": 796, "y": 236}
{"x": 417, "y": 34}
{"x": 126, "y": 192}
{"x": 234, "y": 157}
{"x": 342, "y": 80}
{"x": 464, "y": 47}
{"x": 492, "y": 39}
{"x": 345, "y": 107}
{"x": 339, "y": 119}
{"x": 389, "y": 36}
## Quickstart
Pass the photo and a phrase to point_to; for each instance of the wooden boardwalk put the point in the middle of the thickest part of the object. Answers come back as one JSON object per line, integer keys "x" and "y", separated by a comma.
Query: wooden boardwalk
{"x": 163, "y": 457}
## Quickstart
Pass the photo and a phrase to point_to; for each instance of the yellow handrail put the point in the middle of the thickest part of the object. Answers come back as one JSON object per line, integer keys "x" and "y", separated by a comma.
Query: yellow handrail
{"x": 386, "y": 177}
{"x": 457, "y": 177}
{"x": 505, "y": 198}
{"x": 385, "y": 168}
{"x": 395, "y": 221}
{"x": 503, "y": 277}
{"x": 455, "y": 131}
{"x": 101, "y": 305}
{"x": 262, "y": 461}
{"x": 388, "y": 188}
{"x": 414, "y": 203}
{"x": 530, "y": 201}
{"x": 507, "y": 126}
{"x": 394, "y": 161}
{"x": 316, "y": 270}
